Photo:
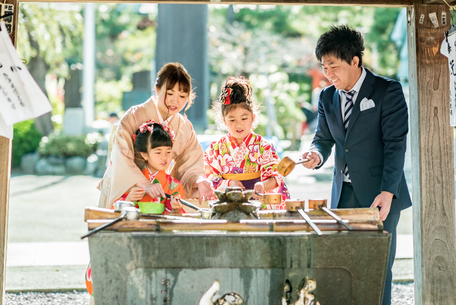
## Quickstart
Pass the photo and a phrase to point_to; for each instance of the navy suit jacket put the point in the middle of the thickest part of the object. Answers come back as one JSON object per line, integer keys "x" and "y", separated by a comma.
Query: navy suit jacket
{"x": 373, "y": 146}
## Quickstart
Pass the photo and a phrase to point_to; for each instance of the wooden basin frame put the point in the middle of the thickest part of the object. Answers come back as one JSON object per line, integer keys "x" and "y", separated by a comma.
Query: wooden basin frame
{"x": 431, "y": 145}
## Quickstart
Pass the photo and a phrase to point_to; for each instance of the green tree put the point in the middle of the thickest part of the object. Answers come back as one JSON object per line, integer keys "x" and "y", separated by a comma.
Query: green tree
{"x": 125, "y": 40}
{"x": 51, "y": 32}
{"x": 378, "y": 39}
{"x": 125, "y": 44}
{"x": 310, "y": 22}
{"x": 51, "y": 39}
{"x": 48, "y": 35}
{"x": 376, "y": 25}
{"x": 281, "y": 41}
{"x": 276, "y": 19}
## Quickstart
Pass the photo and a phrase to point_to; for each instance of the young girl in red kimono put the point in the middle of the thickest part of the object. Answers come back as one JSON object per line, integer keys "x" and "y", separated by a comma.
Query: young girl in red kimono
{"x": 242, "y": 157}
{"x": 154, "y": 142}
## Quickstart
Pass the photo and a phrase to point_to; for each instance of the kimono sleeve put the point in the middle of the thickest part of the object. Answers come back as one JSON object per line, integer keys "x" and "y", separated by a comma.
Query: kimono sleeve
{"x": 175, "y": 188}
{"x": 269, "y": 159}
{"x": 122, "y": 172}
{"x": 122, "y": 198}
{"x": 212, "y": 167}
{"x": 189, "y": 164}
{"x": 178, "y": 188}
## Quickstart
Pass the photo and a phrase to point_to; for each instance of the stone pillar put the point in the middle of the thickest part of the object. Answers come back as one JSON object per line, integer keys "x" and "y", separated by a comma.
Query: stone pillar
{"x": 141, "y": 92}
{"x": 182, "y": 37}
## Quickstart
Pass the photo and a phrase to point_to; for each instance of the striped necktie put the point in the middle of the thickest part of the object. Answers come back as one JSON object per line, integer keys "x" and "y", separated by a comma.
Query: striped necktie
{"x": 348, "y": 110}
{"x": 348, "y": 107}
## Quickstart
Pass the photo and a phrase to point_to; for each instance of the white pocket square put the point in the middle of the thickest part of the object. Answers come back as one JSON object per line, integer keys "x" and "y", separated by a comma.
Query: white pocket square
{"x": 366, "y": 104}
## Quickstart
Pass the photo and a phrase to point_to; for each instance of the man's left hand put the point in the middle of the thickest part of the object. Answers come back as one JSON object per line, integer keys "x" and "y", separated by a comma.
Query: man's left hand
{"x": 383, "y": 200}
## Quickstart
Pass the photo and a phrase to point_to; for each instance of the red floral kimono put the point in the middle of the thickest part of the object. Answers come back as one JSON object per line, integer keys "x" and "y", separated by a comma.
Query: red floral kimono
{"x": 255, "y": 159}
{"x": 170, "y": 185}
{"x": 150, "y": 205}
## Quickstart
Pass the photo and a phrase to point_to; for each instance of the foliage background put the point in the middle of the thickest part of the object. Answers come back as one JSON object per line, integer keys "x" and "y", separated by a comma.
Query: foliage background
{"x": 271, "y": 45}
{"x": 25, "y": 139}
{"x": 59, "y": 144}
{"x": 274, "y": 47}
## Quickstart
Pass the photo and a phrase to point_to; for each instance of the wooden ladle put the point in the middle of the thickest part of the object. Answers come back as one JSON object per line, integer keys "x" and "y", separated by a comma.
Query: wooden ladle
{"x": 286, "y": 165}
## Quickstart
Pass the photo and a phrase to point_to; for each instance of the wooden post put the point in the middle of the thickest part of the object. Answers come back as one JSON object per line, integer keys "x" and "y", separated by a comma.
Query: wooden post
{"x": 432, "y": 158}
{"x": 5, "y": 173}
{"x": 5, "y": 168}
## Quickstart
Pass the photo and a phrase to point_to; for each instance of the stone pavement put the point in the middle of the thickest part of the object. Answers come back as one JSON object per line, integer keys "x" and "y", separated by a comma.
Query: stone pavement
{"x": 46, "y": 221}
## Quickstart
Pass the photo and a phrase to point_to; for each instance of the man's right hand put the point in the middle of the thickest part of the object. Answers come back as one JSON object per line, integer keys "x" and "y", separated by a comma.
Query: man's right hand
{"x": 313, "y": 158}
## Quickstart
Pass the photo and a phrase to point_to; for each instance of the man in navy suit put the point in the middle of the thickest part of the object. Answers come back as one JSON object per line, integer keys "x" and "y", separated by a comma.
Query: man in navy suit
{"x": 365, "y": 116}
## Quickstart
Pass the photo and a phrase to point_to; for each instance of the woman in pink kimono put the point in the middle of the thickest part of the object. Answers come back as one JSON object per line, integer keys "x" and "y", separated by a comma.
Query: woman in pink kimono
{"x": 242, "y": 157}
{"x": 174, "y": 91}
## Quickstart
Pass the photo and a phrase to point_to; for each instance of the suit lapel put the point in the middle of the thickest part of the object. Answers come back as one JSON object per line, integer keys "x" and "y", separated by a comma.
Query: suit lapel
{"x": 365, "y": 91}
{"x": 336, "y": 103}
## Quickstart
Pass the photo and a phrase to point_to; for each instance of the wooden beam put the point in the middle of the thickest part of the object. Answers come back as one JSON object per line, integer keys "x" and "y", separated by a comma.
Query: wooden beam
{"x": 359, "y": 215}
{"x": 224, "y": 225}
{"x": 432, "y": 159}
{"x": 5, "y": 174}
{"x": 448, "y": 2}
{"x": 376, "y": 3}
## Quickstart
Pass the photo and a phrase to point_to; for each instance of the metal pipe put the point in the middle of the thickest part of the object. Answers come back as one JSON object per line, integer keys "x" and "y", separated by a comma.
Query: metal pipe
{"x": 310, "y": 222}
{"x": 104, "y": 226}
{"x": 337, "y": 218}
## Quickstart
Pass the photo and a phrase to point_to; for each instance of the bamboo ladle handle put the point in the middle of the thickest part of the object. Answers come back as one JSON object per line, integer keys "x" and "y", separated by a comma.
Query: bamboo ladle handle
{"x": 302, "y": 161}
{"x": 286, "y": 166}
{"x": 185, "y": 202}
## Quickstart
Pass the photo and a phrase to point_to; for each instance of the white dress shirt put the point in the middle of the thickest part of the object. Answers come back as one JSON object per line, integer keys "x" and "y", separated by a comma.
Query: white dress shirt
{"x": 343, "y": 99}
{"x": 357, "y": 88}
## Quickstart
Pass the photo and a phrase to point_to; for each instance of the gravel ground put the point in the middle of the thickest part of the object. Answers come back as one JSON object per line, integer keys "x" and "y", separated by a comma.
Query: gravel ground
{"x": 402, "y": 295}
{"x": 47, "y": 298}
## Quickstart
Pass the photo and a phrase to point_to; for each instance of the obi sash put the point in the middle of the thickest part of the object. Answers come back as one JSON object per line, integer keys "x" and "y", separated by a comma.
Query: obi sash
{"x": 248, "y": 179}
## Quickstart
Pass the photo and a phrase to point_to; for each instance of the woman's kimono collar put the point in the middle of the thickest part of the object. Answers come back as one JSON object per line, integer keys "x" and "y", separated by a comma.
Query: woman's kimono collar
{"x": 160, "y": 118}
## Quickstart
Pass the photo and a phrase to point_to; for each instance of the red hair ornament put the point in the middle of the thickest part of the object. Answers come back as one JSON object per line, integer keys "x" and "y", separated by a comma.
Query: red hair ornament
{"x": 227, "y": 98}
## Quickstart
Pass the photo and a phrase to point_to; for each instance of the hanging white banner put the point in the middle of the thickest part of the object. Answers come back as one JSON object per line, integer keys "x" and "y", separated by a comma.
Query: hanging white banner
{"x": 5, "y": 130}
{"x": 20, "y": 96}
{"x": 448, "y": 49}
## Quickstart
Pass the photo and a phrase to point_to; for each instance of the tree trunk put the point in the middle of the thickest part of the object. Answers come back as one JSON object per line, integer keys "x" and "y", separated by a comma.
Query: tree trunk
{"x": 38, "y": 68}
{"x": 73, "y": 89}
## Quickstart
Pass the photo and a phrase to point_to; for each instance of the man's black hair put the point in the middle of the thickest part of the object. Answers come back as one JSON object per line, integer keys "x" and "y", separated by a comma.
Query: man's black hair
{"x": 341, "y": 42}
